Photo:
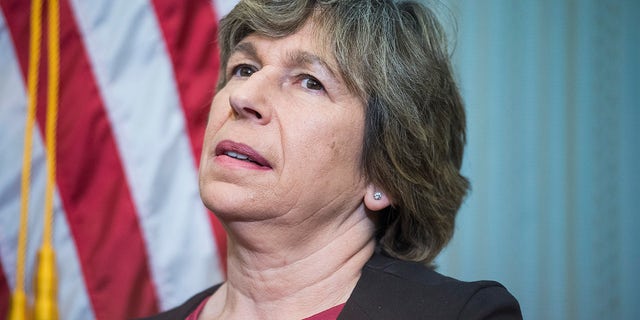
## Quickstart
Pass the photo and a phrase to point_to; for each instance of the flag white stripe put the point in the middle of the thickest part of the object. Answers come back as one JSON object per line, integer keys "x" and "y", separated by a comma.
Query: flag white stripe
{"x": 72, "y": 293}
{"x": 135, "y": 76}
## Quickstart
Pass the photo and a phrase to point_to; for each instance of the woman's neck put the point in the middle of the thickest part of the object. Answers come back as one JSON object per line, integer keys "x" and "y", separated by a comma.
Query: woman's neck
{"x": 298, "y": 275}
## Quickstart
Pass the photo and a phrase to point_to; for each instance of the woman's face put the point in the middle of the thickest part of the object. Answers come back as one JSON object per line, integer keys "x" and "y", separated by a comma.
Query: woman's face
{"x": 284, "y": 136}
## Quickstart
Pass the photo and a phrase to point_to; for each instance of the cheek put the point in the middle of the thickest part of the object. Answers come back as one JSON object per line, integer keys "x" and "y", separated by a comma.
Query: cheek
{"x": 348, "y": 145}
{"x": 333, "y": 145}
{"x": 217, "y": 113}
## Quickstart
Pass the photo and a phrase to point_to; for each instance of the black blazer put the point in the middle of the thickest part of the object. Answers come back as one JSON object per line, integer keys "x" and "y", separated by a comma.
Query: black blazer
{"x": 393, "y": 289}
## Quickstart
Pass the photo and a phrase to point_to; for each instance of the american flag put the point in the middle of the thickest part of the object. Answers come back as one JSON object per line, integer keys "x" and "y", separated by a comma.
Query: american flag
{"x": 136, "y": 78}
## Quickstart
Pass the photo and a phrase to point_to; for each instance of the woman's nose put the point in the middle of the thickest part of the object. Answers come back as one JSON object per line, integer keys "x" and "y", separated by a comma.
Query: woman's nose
{"x": 250, "y": 98}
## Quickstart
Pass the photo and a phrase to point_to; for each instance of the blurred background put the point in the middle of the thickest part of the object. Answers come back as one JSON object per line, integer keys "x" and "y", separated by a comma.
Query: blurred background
{"x": 548, "y": 87}
{"x": 551, "y": 93}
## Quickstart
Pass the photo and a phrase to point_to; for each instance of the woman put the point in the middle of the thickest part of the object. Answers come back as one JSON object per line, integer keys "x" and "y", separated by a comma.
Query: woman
{"x": 332, "y": 156}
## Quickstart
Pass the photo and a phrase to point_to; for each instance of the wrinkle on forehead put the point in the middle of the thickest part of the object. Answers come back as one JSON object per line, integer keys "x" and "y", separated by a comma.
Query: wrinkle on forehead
{"x": 317, "y": 55}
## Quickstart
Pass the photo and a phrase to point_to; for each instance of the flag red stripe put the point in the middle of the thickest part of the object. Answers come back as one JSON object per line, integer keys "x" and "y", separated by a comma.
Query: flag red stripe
{"x": 4, "y": 294}
{"x": 90, "y": 177}
{"x": 190, "y": 32}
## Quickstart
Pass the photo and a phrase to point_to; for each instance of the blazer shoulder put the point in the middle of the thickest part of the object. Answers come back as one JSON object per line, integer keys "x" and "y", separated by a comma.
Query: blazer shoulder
{"x": 393, "y": 289}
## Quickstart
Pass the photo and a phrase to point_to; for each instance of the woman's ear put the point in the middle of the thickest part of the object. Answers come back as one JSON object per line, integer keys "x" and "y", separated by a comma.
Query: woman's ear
{"x": 375, "y": 199}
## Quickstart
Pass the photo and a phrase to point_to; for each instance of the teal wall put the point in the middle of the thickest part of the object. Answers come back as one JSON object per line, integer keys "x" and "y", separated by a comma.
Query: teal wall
{"x": 551, "y": 90}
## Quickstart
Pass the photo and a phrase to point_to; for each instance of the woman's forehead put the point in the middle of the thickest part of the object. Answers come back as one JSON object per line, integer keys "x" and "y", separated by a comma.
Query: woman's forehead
{"x": 309, "y": 37}
{"x": 303, "y": 47}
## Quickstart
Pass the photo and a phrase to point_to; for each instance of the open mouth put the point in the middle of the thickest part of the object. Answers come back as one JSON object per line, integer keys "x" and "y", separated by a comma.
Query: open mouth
{"x": 242, "y": 157}
{"x": 241, "y": 152}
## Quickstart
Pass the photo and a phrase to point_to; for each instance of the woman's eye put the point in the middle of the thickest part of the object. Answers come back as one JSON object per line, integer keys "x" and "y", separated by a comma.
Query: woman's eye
{"x": 243, "y": 70}
{"x": 312, "y": 83}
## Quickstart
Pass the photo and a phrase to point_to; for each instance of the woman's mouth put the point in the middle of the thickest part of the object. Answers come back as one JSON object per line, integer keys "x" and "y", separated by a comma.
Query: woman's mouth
{"x": 241, "y": 156}
{"x": 241, "y": 152}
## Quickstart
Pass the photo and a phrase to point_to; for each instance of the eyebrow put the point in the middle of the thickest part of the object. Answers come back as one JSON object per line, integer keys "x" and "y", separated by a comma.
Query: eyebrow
{"x": 306, "y": 58}
{"x": 246, "y": 48}
{"x": 295, "y": 58}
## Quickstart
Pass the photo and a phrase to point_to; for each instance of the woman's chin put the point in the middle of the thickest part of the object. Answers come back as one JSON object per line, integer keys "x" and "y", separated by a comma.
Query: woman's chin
{"x": 233, "y": 203}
